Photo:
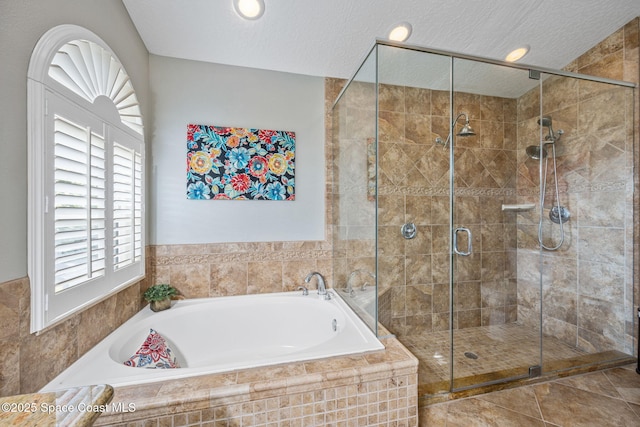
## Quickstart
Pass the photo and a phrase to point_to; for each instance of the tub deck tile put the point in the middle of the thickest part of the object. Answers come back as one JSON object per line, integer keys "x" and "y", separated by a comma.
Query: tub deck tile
{"x": 271, "y": 372}
{"x": 337, "y": 388}
{"x": 205, "y": 382}
{"x": 345, "y": 362}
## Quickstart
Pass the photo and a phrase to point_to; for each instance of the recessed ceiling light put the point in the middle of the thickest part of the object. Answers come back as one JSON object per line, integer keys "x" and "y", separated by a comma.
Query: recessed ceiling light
{"x": 400, "y": 32}
{"x": 249, "y": 9}
{"x": 517, "y": 54}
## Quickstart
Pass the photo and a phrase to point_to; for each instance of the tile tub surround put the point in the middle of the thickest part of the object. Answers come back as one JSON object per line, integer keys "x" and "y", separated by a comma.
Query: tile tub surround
{"x": 225, "y": 269}
{"x": 28, "y": 361}
{"x": 373, "y": 389}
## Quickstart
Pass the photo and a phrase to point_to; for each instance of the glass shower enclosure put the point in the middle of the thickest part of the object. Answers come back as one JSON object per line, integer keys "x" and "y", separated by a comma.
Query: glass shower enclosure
{"x": 482, "y": 213}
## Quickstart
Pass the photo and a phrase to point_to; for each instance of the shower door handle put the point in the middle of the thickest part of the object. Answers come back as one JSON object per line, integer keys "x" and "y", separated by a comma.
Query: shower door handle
{"x": 455, "y": 242}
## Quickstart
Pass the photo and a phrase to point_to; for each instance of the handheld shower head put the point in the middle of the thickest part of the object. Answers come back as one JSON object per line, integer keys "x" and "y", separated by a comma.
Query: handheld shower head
{"x": 546, "y": 122}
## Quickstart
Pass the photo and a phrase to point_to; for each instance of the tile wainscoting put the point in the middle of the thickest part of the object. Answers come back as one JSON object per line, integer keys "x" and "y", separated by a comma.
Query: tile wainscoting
{"x": 373, "y": 389}
{"x": 29, "y": 361}
{"x": 223, "y": 269}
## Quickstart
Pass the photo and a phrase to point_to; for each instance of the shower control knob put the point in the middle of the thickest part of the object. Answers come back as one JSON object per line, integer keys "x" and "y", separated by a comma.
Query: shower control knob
{"x": 409, "y": 230}
{"x": 559, "y": 214}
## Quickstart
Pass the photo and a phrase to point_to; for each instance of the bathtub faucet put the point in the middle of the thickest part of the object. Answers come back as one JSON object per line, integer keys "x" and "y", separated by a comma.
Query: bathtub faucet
{"x": 358, "y": 272}
{"x": 322, "y": 290}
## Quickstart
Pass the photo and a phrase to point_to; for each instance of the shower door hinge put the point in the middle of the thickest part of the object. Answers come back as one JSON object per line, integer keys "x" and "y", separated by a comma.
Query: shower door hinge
{"x": 534, "y": 74}
{"x": 535, "y": 371}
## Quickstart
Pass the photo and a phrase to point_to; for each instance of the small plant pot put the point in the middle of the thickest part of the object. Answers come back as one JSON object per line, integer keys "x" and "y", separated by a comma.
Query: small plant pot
{"x": 160, "y": 305}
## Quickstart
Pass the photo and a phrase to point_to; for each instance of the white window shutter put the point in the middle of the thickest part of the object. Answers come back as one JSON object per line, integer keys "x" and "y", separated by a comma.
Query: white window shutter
{"x": 86, "y": 175}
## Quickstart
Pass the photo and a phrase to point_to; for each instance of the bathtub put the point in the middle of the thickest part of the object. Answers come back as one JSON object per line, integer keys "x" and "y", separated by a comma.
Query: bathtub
{"x": 213, "y": 335}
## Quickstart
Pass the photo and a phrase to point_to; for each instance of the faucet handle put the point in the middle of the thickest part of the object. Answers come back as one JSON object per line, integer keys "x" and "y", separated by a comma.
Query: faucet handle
{"x": 327, "y": 296}
{"x": 304, "y": 290}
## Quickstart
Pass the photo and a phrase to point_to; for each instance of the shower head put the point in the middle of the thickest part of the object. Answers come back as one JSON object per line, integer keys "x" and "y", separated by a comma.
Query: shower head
{"x": 536, "y": 153}
{"x": 466, "y": 130}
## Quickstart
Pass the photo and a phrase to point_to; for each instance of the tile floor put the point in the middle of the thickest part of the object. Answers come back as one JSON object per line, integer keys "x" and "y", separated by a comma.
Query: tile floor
{"x": 498, "y": 347}
{"x": 490, "y": 354}
{"x": 604, "y": 398}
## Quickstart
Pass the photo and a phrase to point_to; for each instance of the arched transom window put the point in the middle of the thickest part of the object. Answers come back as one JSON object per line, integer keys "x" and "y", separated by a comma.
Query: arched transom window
{"x": 86, "y": 175}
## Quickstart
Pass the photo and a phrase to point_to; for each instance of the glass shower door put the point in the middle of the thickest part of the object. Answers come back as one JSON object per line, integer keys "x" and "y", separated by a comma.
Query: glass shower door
{"x": 439, "y": 171}
{"x": 489, "y": 341}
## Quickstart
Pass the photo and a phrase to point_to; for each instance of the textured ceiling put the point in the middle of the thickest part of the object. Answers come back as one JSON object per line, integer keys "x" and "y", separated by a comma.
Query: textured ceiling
{"x": 330, "y": 38}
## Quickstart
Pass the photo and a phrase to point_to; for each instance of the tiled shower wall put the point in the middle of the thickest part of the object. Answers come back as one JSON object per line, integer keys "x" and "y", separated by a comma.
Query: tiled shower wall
{"x": 588, "y": 291}
{"x": 587, "y": 283}
{"x": 413, "y": 186}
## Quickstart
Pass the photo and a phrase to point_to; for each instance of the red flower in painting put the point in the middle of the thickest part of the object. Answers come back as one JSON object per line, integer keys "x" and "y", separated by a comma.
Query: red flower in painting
{"x": 241, "y": 182}
{"x": 191, "y": 129}
{"x": 265, "y": 135}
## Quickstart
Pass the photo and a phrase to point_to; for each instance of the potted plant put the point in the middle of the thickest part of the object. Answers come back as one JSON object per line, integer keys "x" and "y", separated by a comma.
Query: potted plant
{"x": 159, "y": 296}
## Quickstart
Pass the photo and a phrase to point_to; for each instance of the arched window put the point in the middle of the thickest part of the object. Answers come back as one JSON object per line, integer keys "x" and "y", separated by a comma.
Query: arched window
{"x": 86, "y": 175}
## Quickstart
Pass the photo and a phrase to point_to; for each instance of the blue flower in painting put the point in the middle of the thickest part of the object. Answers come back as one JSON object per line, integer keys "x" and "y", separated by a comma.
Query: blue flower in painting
{"x": 239, "y": 157}
{"x": 275, "y": 191}
{"x": 198, "y": 190}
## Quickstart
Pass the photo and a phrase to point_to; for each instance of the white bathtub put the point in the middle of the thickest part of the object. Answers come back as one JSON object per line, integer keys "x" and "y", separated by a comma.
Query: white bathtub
{"x": 211, "y": 335}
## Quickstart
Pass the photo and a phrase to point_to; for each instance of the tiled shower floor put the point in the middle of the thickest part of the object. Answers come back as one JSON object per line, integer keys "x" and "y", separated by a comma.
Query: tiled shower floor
{"x": 502, "y": 351}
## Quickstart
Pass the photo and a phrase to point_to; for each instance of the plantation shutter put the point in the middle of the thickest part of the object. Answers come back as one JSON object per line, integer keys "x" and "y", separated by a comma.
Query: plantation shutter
{"x": 79, "y": 203}
{"x": 127, "y": 206}
{"x": 86, "y": 175}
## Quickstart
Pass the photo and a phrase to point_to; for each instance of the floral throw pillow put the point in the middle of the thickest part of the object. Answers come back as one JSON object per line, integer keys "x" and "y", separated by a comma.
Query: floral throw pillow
{"x": 154, "y": 353}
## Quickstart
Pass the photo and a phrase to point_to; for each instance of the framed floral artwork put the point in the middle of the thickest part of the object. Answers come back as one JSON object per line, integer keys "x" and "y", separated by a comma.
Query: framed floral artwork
{"x": 240, "y": 164}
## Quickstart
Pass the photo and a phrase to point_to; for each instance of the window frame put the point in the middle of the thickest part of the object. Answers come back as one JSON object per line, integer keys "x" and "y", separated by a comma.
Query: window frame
{"x": 46, "y": 99}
